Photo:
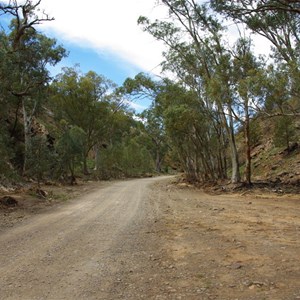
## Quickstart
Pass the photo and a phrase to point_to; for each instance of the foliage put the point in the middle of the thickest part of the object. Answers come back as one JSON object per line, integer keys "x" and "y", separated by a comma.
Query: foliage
{"x": 70, "y": 150}
{"x": 277, "y": 21}
{"x": 6, "y": 153}
{"x": 284, "y": 132}
{"x": 24, "y": 75}
{"x": 82, "y": 101}
{"x": 229, "y": 85}
{"x": 41, "y": 160}
{"x": 217, "y": 91}
{"x": 127, "y": 159}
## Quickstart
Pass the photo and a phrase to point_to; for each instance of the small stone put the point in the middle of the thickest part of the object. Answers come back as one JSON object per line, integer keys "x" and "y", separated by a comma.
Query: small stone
{"x": 258, "y": 284}
{"x": 236, "y": 266}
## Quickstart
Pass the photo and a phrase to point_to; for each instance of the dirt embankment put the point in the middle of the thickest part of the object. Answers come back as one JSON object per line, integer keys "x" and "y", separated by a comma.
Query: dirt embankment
{"x": 31, "y": 200}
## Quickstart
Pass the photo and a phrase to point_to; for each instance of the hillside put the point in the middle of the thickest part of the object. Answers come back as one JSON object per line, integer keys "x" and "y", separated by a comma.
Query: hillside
{"x": 275, "y": 164}
{"x": 272, "y": 161}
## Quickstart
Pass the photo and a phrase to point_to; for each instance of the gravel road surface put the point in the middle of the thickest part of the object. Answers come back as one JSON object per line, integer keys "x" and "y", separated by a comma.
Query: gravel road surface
{"x": 154, "y": 239}
{"x": 76, "y": 251}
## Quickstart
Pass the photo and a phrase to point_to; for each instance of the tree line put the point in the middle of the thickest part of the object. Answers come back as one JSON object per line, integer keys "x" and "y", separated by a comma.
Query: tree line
{"x": 223, "y": 89}
{"x": 60, "y": 127}
{"x": 79, "y": 123}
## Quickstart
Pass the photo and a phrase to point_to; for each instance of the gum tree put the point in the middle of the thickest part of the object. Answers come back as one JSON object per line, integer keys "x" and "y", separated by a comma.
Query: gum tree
{"x": 194, "y": 38}
{"x": 27, "y": 55}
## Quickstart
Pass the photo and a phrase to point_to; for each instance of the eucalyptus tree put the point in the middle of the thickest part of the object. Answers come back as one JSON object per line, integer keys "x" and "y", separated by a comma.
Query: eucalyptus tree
{"x": 276, "y": 20}
{"x": 191, "y": 133}
{"x": 83, "y": 100}
{"x": 243, "y": 8}
{"x": 26, "y": 56}
{"x": 69, "y": 147}
{"x": 6, "y": 153}
{"x": 249, "y": 90}
{"x": 284, "y": 132}
{"x": 155, "y": 131}
{"x": 26, "y": 16}
{"x": 193, "y": 37}
{"x": 279, "y": 22}
{"x": 142, "y": 86}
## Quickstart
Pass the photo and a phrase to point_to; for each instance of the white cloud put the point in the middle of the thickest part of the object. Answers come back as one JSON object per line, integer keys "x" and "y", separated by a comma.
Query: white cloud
{"x": 108, "y": 27}
{"x": 261, "y": 45}
{"x": 136, "y": 106}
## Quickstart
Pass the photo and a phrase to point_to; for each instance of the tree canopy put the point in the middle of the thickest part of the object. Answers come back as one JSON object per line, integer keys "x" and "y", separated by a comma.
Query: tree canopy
{"x": 204, "y": 119}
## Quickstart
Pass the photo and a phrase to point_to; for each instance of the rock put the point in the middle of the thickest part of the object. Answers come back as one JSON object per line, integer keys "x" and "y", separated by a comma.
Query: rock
{"x": 5, "y": 189}
{"x": 41, "y": 193}
{"x": 283, "y": 174}
{"x": 258, "y": 283}
{"x": 235, "y": 266}
{"x": 9, "y": 201}
{"x": 293, "y": 147}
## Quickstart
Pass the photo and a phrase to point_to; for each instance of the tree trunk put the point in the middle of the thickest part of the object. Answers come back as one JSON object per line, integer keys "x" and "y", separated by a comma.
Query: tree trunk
{"x": 27, "y": 132}
{"x": 191, "y": 170}
{"x": 221, "y": 156}
{"x": 158, "y": 162}
{"x": 247, "y": 144}
{"x": 26, "y": 124}
{"x": 287, "y": 135}
{"x": 97, "y": 157}
{"x": 235, "y": 177}
{"x": 85, "y": 167}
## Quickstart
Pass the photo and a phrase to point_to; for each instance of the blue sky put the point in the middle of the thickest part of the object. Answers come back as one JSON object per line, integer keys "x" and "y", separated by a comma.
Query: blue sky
{"x": 103, "y": 36}
{"x": 108, "y": 65}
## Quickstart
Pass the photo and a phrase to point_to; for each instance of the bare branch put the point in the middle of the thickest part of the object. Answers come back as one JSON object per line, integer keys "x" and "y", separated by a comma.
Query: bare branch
{"x": 25, "y": 16}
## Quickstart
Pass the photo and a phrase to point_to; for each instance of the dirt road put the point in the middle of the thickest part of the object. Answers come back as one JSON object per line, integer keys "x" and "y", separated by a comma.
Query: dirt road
{"x": 76, "y": 251}
{"x": 152, "y": 239}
